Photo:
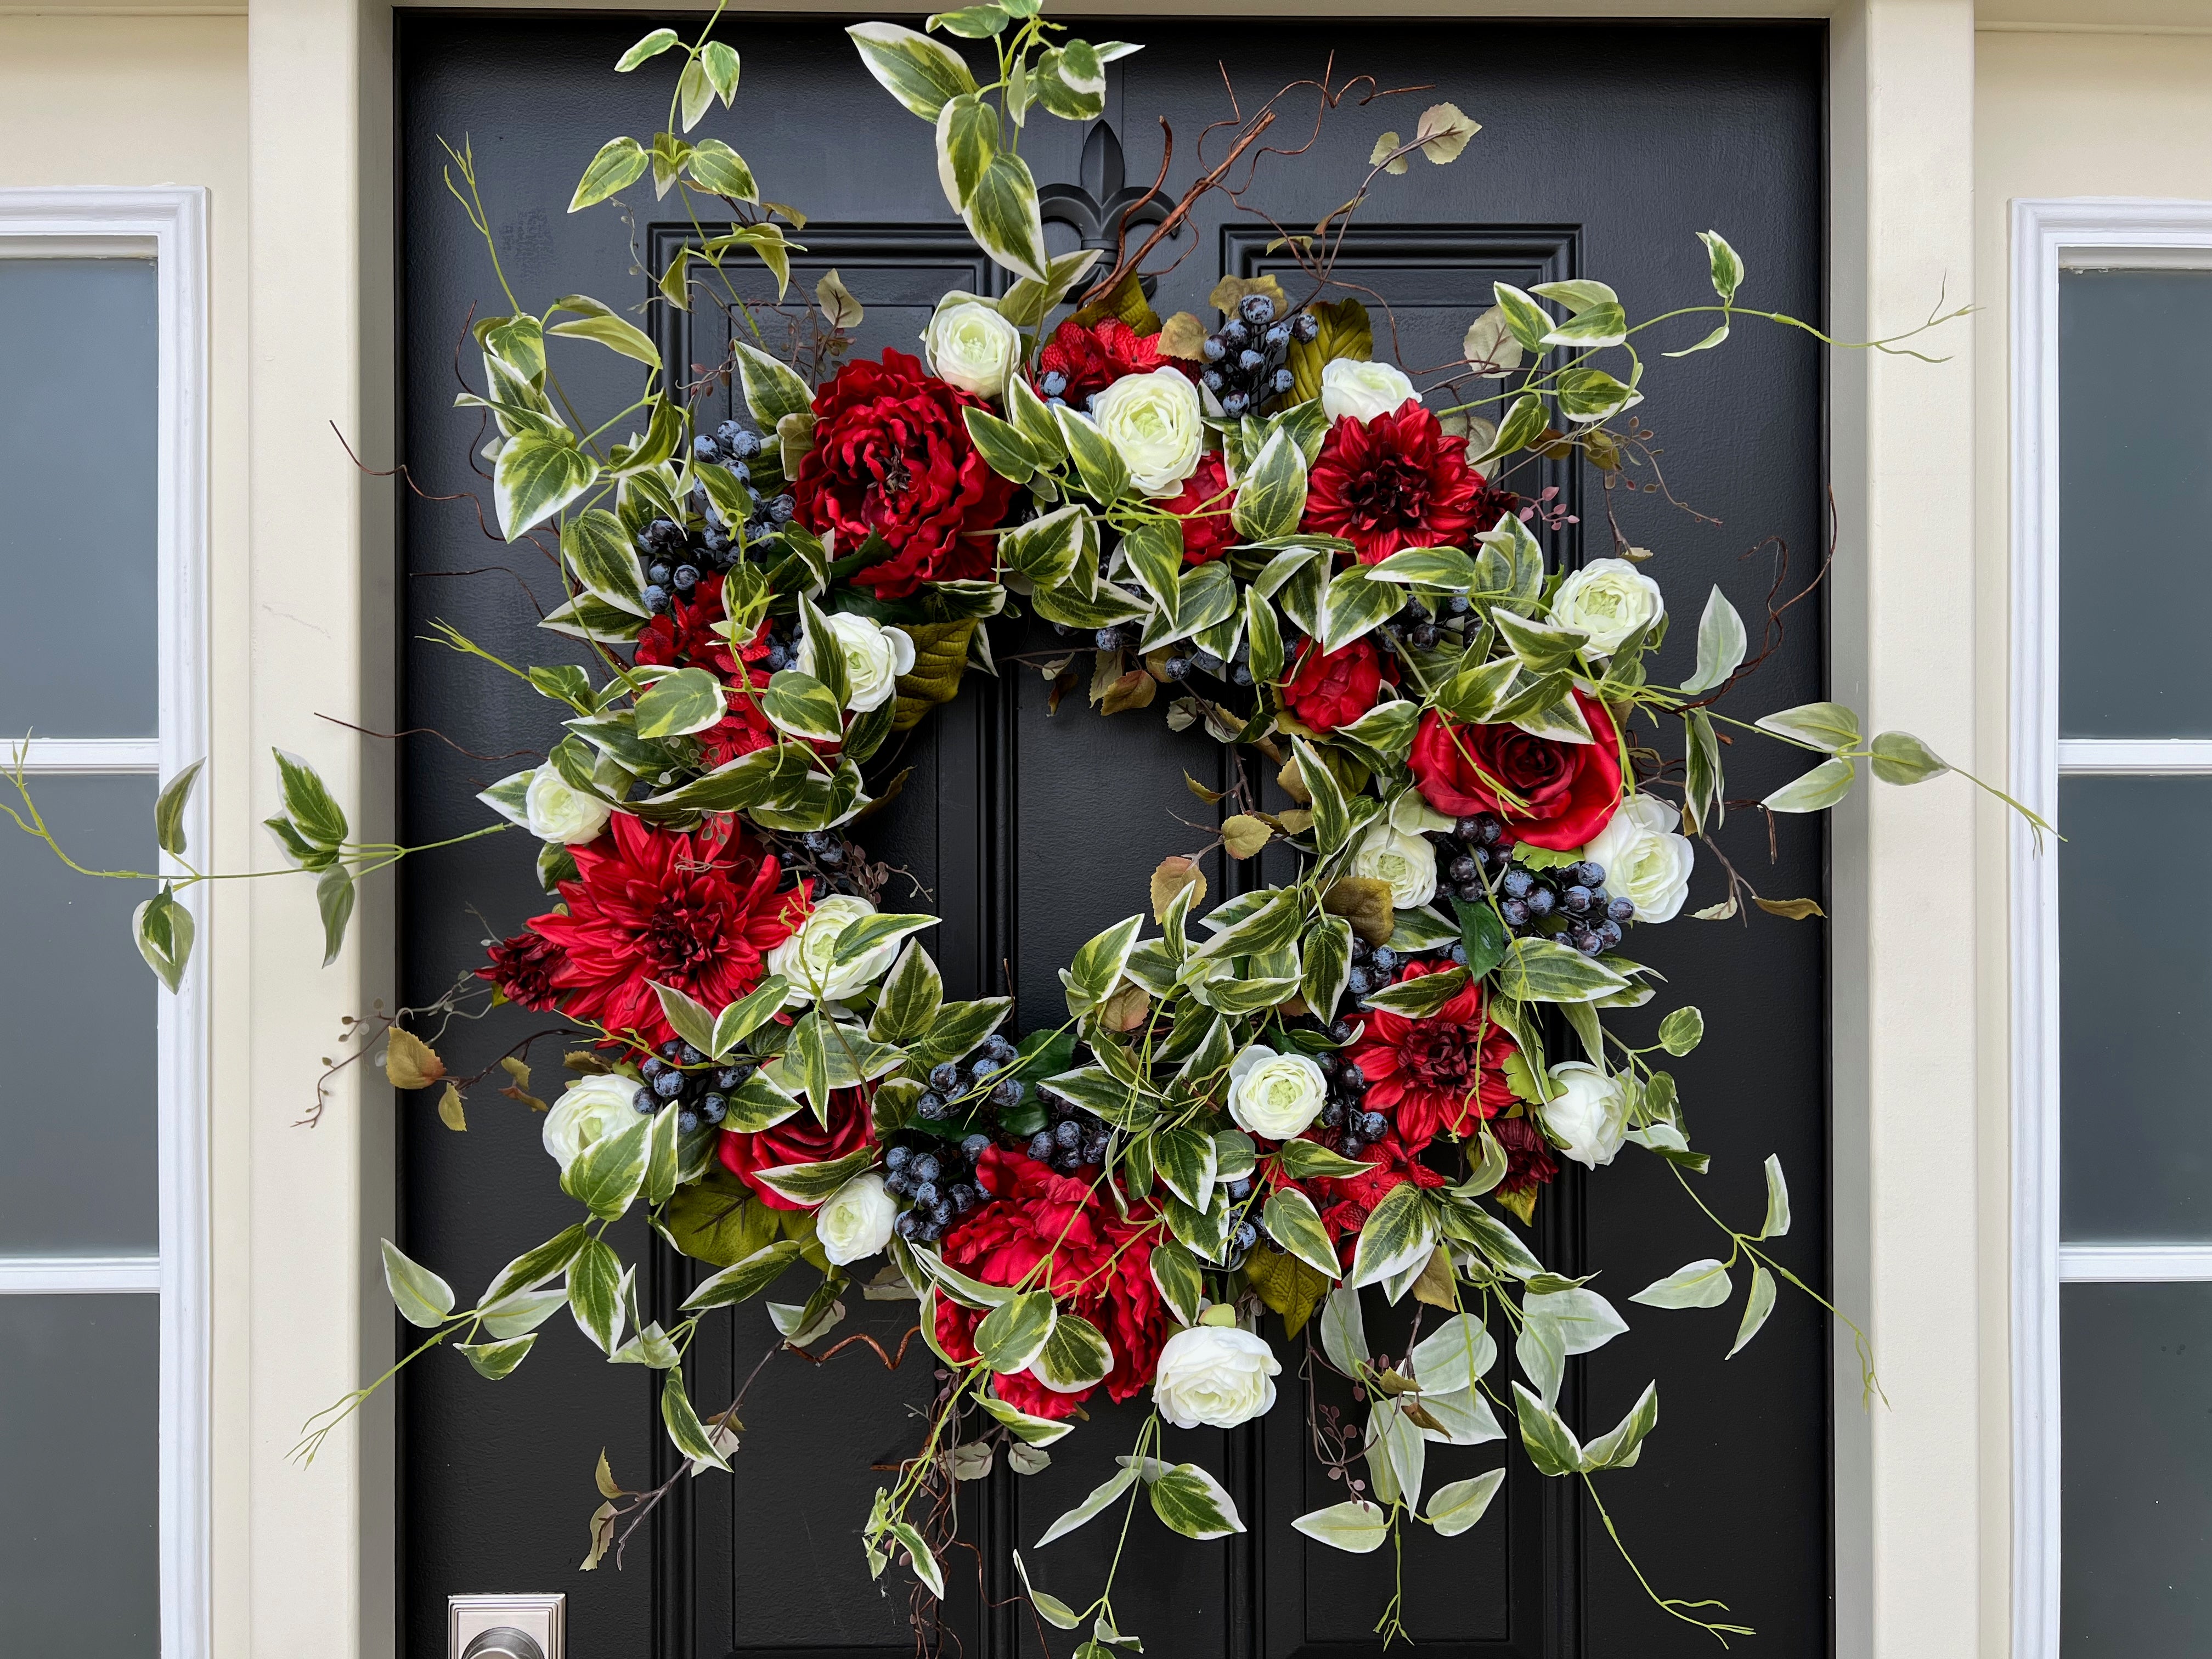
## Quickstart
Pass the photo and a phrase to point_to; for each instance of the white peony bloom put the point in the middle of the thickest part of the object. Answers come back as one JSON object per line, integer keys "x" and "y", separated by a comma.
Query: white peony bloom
{"x": 1645, "y": 861}
{"x": 556, "y": 812}
{"x": 804, "y": 957}
{"x": 1407, "y": 862}
{"x": 969, "y": 344}
{"x": 1154, "y": 421}
{"x": 1273, "y": 1095}
{"x": 1360, "y": 391}
{"x": 1215, "y": 1375}
{"x": 875, "y": 656}
{"x": 592, "y": 1109}
{"x": 1608, "y": 599}
{"x": 1587, "y": 1118}
{"x": 855, "y": 1221}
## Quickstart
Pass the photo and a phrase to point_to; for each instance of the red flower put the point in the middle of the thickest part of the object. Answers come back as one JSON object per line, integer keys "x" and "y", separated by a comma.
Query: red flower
{"x": 1528, "y": 1161}
{"x": 523, "y": 967}
{"x": 1092, "y": 359}
{"x": 699, "y": 912}
{"x": 1488, "y": 506}
{"x": 1391, "y": 483}
{"x": 1434, "y": 1074}
{"x": 1346, "y": 1205}
{"x": 1101, "y": 1269}
{"x": 797, "y": 1139}
{"x": 689, "y": 636}
{"x": 892, "y": 457}
{"x": 1548, "y": 793}
{"x": 1328, "y": 691}
{"x": 1203, "y": 507}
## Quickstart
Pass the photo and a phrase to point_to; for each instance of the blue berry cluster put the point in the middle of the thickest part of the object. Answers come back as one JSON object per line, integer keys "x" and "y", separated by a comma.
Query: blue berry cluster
{"x": 680, "y": 1073}
{"x": 937, "y": 1178}
{"x": 676, "y": 556}
{"x": 985, "y": 1077}
{"x": 1345, "y": 1109}
{"x": 1073, "y": 1139}
{"x": 1244, "y": 357}
{"x": 1419, "y": 627}
{"x": 1567, "y": 903}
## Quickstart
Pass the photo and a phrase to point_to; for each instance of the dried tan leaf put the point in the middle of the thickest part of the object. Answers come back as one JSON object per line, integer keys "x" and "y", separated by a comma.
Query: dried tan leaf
{"x": 515, "y": 1067}
{"x": 1173, "y": 875}
{"x": 1244, "y": 835}
{"x": 1444, "y": 131}
{"x": 409, "y": 1062}
{"x": 839, "y": 308}
{"x": 1134, "y": 690}
{"x": 1797, "y": 909}
{"x": 1383, "y": 146}
{"x": 605, "y": 1477}
{"x": 1365, "y": 903}
{"x": 449, "y": 1110}
{"x": 1211, "y": 797}
{"x": 1434, "y": 1287}
{"x": 1231, "y": 291}
{"x": 1293, "y": 782}
{"x": 1183, "y": 336}
{"x": 1125, "y": 1009}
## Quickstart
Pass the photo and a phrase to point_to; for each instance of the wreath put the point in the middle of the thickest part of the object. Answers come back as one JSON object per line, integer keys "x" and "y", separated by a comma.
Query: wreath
{"x": 1311, "y": 1095}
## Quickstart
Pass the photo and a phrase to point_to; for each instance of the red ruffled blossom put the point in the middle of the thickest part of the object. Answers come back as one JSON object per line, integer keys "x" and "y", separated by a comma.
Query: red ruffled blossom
{"x": 1397, "y": 481}
{"x": 698, "y": 911}
{"x": 1101, "y": 1269}
{"x": 1528, "y": 1161}
{"x": 523, "y": 967}
{"x": 892, "y": 457}
{"x": 797, "y": 1139}
{"x": 1346, "y": 1204}
{"x": 689, "y": 636}
{"x": 1092, "y": 358}
{"x": 1325, "y": 692}
{"x": 1567, "y": 792}
{"x": 1436, "y": 1075}
{"x": 1203, "y": 507}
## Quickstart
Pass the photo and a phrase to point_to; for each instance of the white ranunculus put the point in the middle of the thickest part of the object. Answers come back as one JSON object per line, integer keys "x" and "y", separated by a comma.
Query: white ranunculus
{"x": 1215, "y": 1375}
{"x": 1273, "y": 1095}
{"x": 875, "y": 656}
{"x": 556, "y": 812}
{"x": 971, "y": 345}
{"x": 592, "y": 1108}
{"x": 1645, "y": 861}
{"x": 1587, "y": 1117}
{"x": 1154, "y": 421}
{"x": 1608, "y": 599}
{"x": 1407, "y": 862}
{"x": 1361, "y": 391}
{"x": 855, "y": 1221}
{"x": 804, "y": 957}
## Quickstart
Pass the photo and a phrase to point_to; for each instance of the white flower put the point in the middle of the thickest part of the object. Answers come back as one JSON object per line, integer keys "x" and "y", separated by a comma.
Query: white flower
{"x": 1153, "y": 420}
{"x": 1215, "y": 1375}
{"x": 1645, "y": 861}
{"x": 556, "y": 812}
{"x": 592, "y": 1109}
{"x": 1589, "y": 1116}
{"x": 1407, "y": 862}
{"x": 1608, "y": 599}
{"x": 1361, "y": 391}
{"x": 1275, "y": 1095}
{"x": 855, "y": 1221}
{"x": 875, "y": 656}
{"x": 804, "y": 957}
{"x": 972, "y": 346}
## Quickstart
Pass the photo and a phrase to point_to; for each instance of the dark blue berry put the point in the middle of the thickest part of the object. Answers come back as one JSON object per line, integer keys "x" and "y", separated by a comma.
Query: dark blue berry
{"x": 1067, "y": 1133}
{"x": 1372, "y": 1125}
{"x": 1575, "y": 900}
{"x": 705, "y": 449}
{"x": 1306, "y": 325}
{"x": 1234, "y": 334}
{"x": 1257, "y": 309}
{"x": 1516, "y": 912}
{"x": 714, "y": 1107}
{"x": 930, "y": 1108}
{"x": 656, "y": 599}
{"x": 1239, "y": 1190}
{"x": 1212, "y": 350}
{"x": 1246, "y": 1235}
{"x": 926, "y": 1193}
{"x": 668, "y": 1084}
{"x": 1250, "y": 360}
{"x": 1516, "y": 882}
{"x": 975, "y": 1146}
{"x": 999, "y": 1049}
{"x": 781, "y": 508}
{"x": 645, "y": 1101}
{"x": 1540, "y": 902}
{"x": 1359, "y": 981}
{"x": 963, "y": 1197}
{"x": 1207, "y": 663}
{"x": 908, "y": 1223}
{"x": 1041, "y": 1145}
{"x": 1332, "y": 1114}
{"x": 1277, "y": 335}
{"x": 1608, "y": 934}
{"x": 1351, "y": 1146}
{"x": 1458, "y": 954}
{"x": 1212, "y": 380}
{"x": 1353, "y": 1078}
{"x": 1385, "y": 959}
{"x": 691, "y": 1056}
{"x": 1621, "y": 910}
{"x": 687, "y": 578}
{"x": 659, "y": 574}
{"x": 687, "y": 1121}
{"x": 1589, "y": 873}
{"x": 1053, "y": 384}
{"x": 1177, "y": 668}
{"x": 897, "y": 1157}
{"x": 1341, "y": 1031}
{"x": 1235, "y": 403}
{"x": 1284, "y": 379}
{"x": 652, "y": 1067}
{"x": 927, "y": 1167}
{"x": 945, "y": 1077}
{"x": 1008, "y": 1094}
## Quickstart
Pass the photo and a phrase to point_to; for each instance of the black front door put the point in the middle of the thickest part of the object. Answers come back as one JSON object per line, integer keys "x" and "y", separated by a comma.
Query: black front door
{"x": 1604, "y": 150}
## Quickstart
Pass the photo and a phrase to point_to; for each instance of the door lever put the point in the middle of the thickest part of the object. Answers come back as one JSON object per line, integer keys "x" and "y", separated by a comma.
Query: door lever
{"x": 506, "y": 1626}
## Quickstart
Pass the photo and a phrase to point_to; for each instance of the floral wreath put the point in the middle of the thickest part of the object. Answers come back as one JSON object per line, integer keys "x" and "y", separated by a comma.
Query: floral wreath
{"x": 1275, "y": 1104}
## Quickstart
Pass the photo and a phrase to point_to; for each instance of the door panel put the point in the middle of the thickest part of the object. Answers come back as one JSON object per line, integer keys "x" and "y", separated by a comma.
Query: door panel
{"x": 1604, "y": 150}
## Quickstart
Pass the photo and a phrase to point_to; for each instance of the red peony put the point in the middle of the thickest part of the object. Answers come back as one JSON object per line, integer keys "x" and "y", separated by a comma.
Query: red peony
{"x": 699, "y": 912}
{"x": 1328, "y": 691}
{"x": 1395, "y": 482}
{"x": 1345, "y": 1205}
{"x": 1101, "y": 1269}
{"x": 689, "y": 636}
{"x": 892, "y": 457}
{"x": 523, "y": 967}
{"x": 1203, "y": 507}
{"x": 1548, "y": 793}
{"x": 1089, "y": 359}
{"x": 1437, "y": 1075}
{"x": 797, "y": 1139}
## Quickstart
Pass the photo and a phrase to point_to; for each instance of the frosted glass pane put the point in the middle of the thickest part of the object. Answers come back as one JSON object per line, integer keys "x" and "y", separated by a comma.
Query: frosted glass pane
{"x": 79, "y": 1390}
{"x": 2137, "y": 1471}
{"x": 76, "y": 1023}
{"x": 2134, "y": 502}
{"x": 77, "y": 386}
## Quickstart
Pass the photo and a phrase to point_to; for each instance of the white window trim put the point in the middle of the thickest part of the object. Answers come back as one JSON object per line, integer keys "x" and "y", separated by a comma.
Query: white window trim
{"x": 169, "y": 223}
{"x": 2087, "y": 233}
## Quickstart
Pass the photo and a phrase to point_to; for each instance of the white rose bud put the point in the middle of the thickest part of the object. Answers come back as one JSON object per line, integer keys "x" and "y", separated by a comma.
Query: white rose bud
{"x": 1587, "y": 1117}
{"x": 1154, "y": 421}
{"x": 592, "y": 1109}
{"x": 556, "y": 812}
{"x": 1645, "y": 861}
{"x": 1608, "y": 599}
{"x": 1359, "y": 390}
{"x": 855, "y": 1221}
{"x": 971, "y": 345}
{"x": 875, "y": 656}
{"x": 805, "y": 959}
{"x": 1215, "y": 1375}
{"x": 1273, "y": 1095}
{"x": 1407, "y": 863}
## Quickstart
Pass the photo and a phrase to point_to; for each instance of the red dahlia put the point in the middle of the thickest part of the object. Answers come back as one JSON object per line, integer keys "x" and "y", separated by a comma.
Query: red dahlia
{"x": 797, "y": 1139}
{"x": 1437, "y": 1075}
{"x": 892, "y": 457}
{"x": 1101, "y": 1269}
{"x": 689, "y": 636}
{"x": 1328, "y": 691}
{"x": 1395, "y": 482}
{"x": 1548, "y": 793}
{"x": 1528, "y": 1161}
{"x": 699, "y": 912}
{"x": 1092, "y": 359}
{"x": 1203, "y": 507}
{"x": 523, "y": 967}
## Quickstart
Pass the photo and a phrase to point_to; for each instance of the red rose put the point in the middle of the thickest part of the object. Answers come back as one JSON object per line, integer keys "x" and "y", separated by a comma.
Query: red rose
{"x": 699, "y": 912}
{"x": 892, "y": 457}
{"x": 1089, "y": 359}
{"x": 1101, "y": 1270}
{"x": 1548, "y": 793}
{"x": 688, "y": 634}
{"x": 523, "y": 967}
{"x": 1437, "y": 1075}
{"x": 1203, "y": 507}
{"x": 1328, "y": 691}
{"x": 797, "y": 1139}
{"x": 1395, "y": 482}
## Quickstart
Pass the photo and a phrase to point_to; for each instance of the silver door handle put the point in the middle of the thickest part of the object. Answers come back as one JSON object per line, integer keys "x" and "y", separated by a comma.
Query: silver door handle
{"x": 509, "y": 1626}
{"x": 503, "y": 1642}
